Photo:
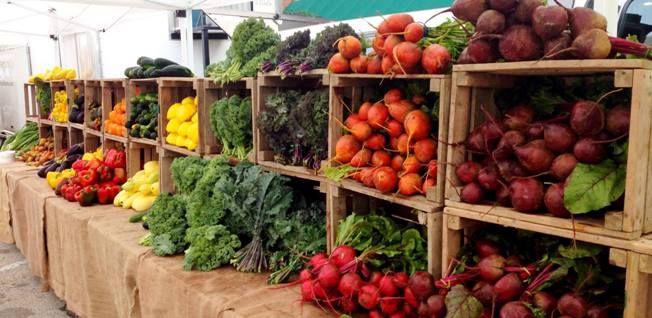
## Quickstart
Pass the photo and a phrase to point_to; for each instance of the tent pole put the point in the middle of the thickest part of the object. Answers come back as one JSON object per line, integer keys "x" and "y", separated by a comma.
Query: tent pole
{"x": 99, "y": 56}
{"x": 187, "y": 46}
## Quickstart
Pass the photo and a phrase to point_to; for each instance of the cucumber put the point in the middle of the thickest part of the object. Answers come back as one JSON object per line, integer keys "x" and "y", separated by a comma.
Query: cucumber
{"x": 161, "y": 62}
{"x": 137, "y": 217}
{"x": 145, "y": 61}
{"x": 148, "y": 71}
{"x": 175, "y": 71}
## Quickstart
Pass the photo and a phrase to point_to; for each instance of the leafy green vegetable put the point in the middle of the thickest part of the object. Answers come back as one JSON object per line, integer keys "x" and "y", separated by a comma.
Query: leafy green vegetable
{"x": 205, "y": 205}
{"x": 451, "y": 35}
{"x": 231, "y": 122}
{"x": 167, "y": 224}
{"x": 44, "y": 97}
{"x": 593, "y": 187}
{"x": 461, "y": 304}
{"x": 321, "y": 49}
{"x": 211, "y": 246}
{"x": 186, "y": 171}
{"x": 292, "y": 46}
{"x": 23, "y": 140}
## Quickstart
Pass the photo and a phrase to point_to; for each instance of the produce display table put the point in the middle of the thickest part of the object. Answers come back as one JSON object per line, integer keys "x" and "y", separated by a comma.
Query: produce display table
{"x": 6, "y": 234}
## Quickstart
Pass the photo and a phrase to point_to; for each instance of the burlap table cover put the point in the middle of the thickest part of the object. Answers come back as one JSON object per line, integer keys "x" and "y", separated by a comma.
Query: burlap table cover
{"x": 165, "y": 290}
{"x": 6, "y": 234}
{"x": 112, "y": 266}
{"x": 28, "y": 196}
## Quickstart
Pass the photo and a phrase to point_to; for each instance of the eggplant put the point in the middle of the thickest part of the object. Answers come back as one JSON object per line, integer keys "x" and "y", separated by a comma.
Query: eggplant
{"x": 61, "y": 167}
{"x": 80, "y": 100}
{"x": 42, "y": 172}
{"x": 50, "y": 168}
{"x": 75, "y": 150}
{"x": 73, "y": 158}
{"x": 80, "y": 118}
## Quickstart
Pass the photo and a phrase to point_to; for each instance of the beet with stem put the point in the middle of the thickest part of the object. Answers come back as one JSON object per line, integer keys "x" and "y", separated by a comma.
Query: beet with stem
{"x": 524, "y": 10}
{"x": 590, "y": 150}
{"x": 490, "y": 22}
{"x": 534, "y": 156}
{"x": 563, "y": 166}
{"x": 559, "y": 138}
{"x": 520, "y": 43}
{"x": 556, "y": 48}
{"x": 618, "y": 120}
{"x": 587, "y": 118}
{"x": 526, "y": 194}
{"x": 549, "y": 22}
{"x": 554, "y": 201}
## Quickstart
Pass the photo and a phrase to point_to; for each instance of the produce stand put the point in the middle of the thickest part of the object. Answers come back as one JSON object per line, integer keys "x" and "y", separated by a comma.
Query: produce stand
{"x": 138, "y": 154}
{"x": 71, "y": 85}
{"x": 173, "y": 90}
{"x": 266, "y": 85}
{"x": 474, "y": 85}
{"x": 135, "y": 88}
{"x": 6, "y": 234}
{"x": 57, "y": 86}
{"x": 31, "y": 108}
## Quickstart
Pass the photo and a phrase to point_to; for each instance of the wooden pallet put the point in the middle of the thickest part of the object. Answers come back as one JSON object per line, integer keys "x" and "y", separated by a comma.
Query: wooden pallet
{"x": 92, "y": 93}
{"x": 211, "y": 93}
{"x": 474, "y": 85}
{"x": 356, "y": 88}
{"x": 173, "y": 90}
{"x": 340, "y": 202}
{"x": 31, "y": 108}
{"x": 271, "y": 83}
{"x": 138, "y": 155}
{"x": 113, "y": 90}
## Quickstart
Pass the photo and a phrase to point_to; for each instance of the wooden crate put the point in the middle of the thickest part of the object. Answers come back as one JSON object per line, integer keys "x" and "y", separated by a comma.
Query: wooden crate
{"x": 57, "y": 86}
{"x": 113, "y": 90}
{"x": 473, "y": 85}
{"x": 271, "y": 83}
{"x": 209, "y": 143}
{"x": 31, "y": 108}
{"x": 92, "y": 93}
{"x": 165, "y": 158}
{"x": 173, "y": 90}
{"x": 135, "y": 88}
{"x": 340, "y": 202}
{"x": 357, "y": 88}
{"x": 91, "y": 142}
{"x": 61, "y": 138}
{"x": 137, "y": 155}
{"x": 75, "y": 135}
{"x": 44, "y": 130}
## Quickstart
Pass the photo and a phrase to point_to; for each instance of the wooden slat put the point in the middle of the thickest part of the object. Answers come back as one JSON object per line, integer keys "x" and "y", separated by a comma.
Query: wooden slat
{"x": 418, "y": 202}
{"x": 291, "y": 171}
{"x": 556, "y": 67}
{"x": 434, "y": 223}
{"x": 91, "y": 142}
{"x": 92, "y": 93}
{"x": 618, "y": 257}
{"x": 637, "y": 288}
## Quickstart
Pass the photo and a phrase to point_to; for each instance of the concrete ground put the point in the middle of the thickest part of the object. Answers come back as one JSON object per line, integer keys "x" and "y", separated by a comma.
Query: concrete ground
{"x": 20, "y": 291}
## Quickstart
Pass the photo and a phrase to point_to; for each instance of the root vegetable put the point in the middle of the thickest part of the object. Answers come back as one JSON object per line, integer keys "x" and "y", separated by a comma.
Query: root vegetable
{"x": 467, "y": 171}
{"x": 554, "y": 201}
{"x": 519, "y": 117}
{"x": 367, "y": 177}
{"x": 509, "y": 169}
{"x": 387, "y": 64}
{"x": 584, "y": 19}
{"x": 397, "y": 163}
{"x": 484, "y": 292}
{"x": 507, "y": 143}
{"x": 361, "y": 131}
{"x": 491, "y": 268}
{"x": 481, "y": 51}
{"x": 502, "y": 197}
{"x": 563, "y": 166}
{"x": 349, "y": 46}
{"x": 305, "y": 275}
{"x": 544, "y": 301}
{"x": 414, "y": 32}
{"x": 386, "y": 286}
{"x": 385, "y": 179}
{"x": 410, "y": 298}
{"x": 485, "y": 248}
{"x": 345, "y": 148}
{"x": 410, "y": 184}
{"x": 422, "y": 285}
{"x": 377, "y": 115}
{"x": 436, "y": 306}
{"x": 515, "y": 309}
{"x": 435, "y": 59}
{"x": 520, "y": 43}
{"x": 329, "y": 276}
{"x": 596, "y": 311}
{"x": 374, "y": 65}
{"x": 393, "y": 95}
{"x": 364, "y": 110}
{"x": 556, "y": 48}
{"x": 432, "y": 169}
{"x": 349, "y": 285}
{"x": 524, "y": 10}
{"x": 390, "y": 42}
{"x": 417, "y": 125}
{"x": 307, "y": 294}
{"x": 342, "y": 255}
{"x": 407, "y": 55}
{"x": 572, "y": 305}
{"x": 589, "y": 150}
{"x": 399, "y": 109}
{"x": 383, "y": 28}
{"x": 488, "y": 179}
{"x": 618, "y": 120}
{"x": 318, "y": 260}
{"x": 359, "y": 64}
{"x": 380, "y": 158}
{"x": 338, "y": 64}
{"x": 526, "y": 194}
{"x": 400, "y": 280}
{"x": 468, "y": 10}
{"x": 349, "y": 304}
{"x": 490, "y": 22}
{"x": 535, "y": 131}
{"x": 534, "y": 156}
{"x": 352, "y": 120}
{"x": 411, "y": 165}
{"x": 389, "y": 305}
{"x": 504, "y": 6}
{"x": 559, "y": 138}
{"x": 368, "y": 297}
{"x": 425, "y": 150}
{"x": 472, "y": 193}
{"x": 549, "y": 21}
{"x": 375, "y": 277}
{"x": 592, "y": 44}
{"x": 361, "y": 158}
{"x": 394, "y": 128}
{"x": 398, "y": 22}
{"x": 376, "y": 314}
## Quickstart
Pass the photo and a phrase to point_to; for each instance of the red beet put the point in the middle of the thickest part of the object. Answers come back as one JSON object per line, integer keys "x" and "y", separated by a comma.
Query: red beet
{"x": 508, "y": 288}
{"x": 422, "y": 284}
{"x": 505, "y": 149}
{"x": 520, "y": 43}
{"x": 549, "y": 21}
{"x": 552, "y": 46}
{"x": 490, "y": 22}
{"x": 349, "y": 285}
{"x": 467, "y": 171}
{"x": 596, "y": 311}
{"x": 559, "y": 137}
{"x": 389, "y": 305}
{"x": 592, "y": 44}
{"x": 436, "y": 306}
{"x": 472, "y": 193}
{"x": 515, "y": 309}
{"x": 534, "y": 131}
{"x": 589, "y": 150}
{"x": 491, "y": 268}
{"x": 410, "y": 298}
{"x": 524, "y": 10}
{"x": 572, "y": 305}
{"x": 349, "y": 304}
{"x": 380, "y": 158}
{"x": 509, "y": 169}
{"x": 468, "y": 10}
{"x": 329, "y": 276}
{"x": 435, "y": 59}
{"x": 369, "y": 296}
{"x": 342, "y": 255}
{"x": 504, "y": 6}
{"x": 534, "y": 156}
{"x": 502, "y": 197}
{"x": 519, "y": 117}
{"x": 526, "y": 194}
{"x": 563, "y": 166}
{"x": 401, "y": 280}
{"x": 584, "y": 19}
{"x": 481, "y": 51}
{"x": 544, "y": 301}
{"x": 464, "y": 57}
{"x": 485, "y": 248}
{"x": 554, "y": 201}
{"x": 488, "y": 179}
{"x": 484, "y": 292}
{"x": 618, "y": 120}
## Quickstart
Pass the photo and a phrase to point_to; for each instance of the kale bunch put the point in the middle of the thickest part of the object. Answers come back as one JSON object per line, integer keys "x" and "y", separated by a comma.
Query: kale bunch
{"x": 211, "y": 246}
{"x": 167, "y": 224}
{"x": 290, "y": 52}
{"x": 231, "y": 123}
{"x": 321, "y": 49}
{"x": 205, "y": 204}
{"x": 186, "y": 171}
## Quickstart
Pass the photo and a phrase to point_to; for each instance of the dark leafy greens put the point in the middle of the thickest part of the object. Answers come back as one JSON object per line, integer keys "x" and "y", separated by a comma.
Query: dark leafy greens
{"x": 231, "y": 123}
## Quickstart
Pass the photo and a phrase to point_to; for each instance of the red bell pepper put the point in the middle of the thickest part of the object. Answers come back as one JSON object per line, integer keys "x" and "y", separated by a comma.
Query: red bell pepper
{"x": 105, "y": 193}
{"x": 79, "y": 165}
{"x": 120, "y": 160}
{"x": 87, "y": 196}
{"x": 70, "y": 191}
{"x": 109, "y": 157}
{"x": 88, "y": 177}
{"x": 104, "y": 173}
{"x": 93, "y": 164}
{"x": 119, "y": 176}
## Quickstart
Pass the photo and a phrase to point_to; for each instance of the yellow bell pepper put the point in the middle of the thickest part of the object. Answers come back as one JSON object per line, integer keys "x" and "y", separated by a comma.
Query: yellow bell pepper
{"x": 54, "y": 178}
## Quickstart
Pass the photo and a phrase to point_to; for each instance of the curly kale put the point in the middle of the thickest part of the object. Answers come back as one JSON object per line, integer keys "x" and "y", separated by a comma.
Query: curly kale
{"x": 231, "y": 122}
{"x": 205, "y": 206}
{"x": 186, "y": 171}
{"x": 167, "y": 224}
{"x": 290, "y": 52}
{"x": 321, "y": 49}
{"x": 211, "y": 246}
{"x": 273, "y": 121}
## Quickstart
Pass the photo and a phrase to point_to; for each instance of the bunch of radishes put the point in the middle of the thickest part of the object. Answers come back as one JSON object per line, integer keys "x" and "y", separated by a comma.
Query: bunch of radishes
{"x": 521, "y": 30}
{"x": 395, "y": 51}
{"x": 520, "y": 153}
{"x": 340, "y": 283}
{"x": 390, "y": 145}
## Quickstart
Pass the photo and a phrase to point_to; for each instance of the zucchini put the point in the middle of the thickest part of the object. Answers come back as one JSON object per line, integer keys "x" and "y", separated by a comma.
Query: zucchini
{"x": 137, "y": 217}
{"x": 148, "y": 71}
{"x": 139, "y": 73}
{"x": 130, "y": 72}
{"x": 175, "y": 71}
{"x": 145, "y": 61}
{"x": 161, "y": 62}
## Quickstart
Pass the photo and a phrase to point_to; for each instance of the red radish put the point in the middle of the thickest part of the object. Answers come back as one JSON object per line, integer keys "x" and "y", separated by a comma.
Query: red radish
{"x": 410, "y": 184}
{"x": 468, "y": 10}
{"x": 369, "y": 296}
{"x": 352, "y": 120}
{"x": 411, "y": 165}
{"x": 399, "y": 109}
{"x": 592, "y": 44}
{"x": 414, "y": 32}
{"x": 398, "y": 22}
{"x": 534, "y": 156}
{"x": 375, "y": 142}
{"x": 436, "y": 306}
{"x": 387, "y": 64}
{"x": 506, "y": 145}
{"x": 359, "y": 64}
{"x": 361, "y": 131}
{"x": 305, "y": 275}
{"x": 525, "y": 8}
{"x": 349, "y": 46}
{"x": 505, "y": 6}
{"x": 544, "y": 301}
{"x": 515, "y": 309}
{"x": 417, "y": 125}
{"x": 535, "y": 131}
{"x": 319, "y": 291}
{"x": 318, "y": 260}
{"x": 385, "y": 179}
{"x": 563, "y": 166}
{"x": 425, "y": 150}
{"x": 345, "y": 148}
{"x": 389, "y": 305}
{"x": 364, "y": 110}
{"x": 422, "y": 285}
{"x": 349, "y": 304}
{"x": 526, "y": 194}
{"x": 556, "y": 48}
{"x": 484, "y": 292}
{"x": 307, "y": 294}
{"x": 338, "y": 64}
{"x": 507, "y": 288}
{"x": 378, "y": 44}
{"x": 485, "y": 248}
{"x": 410, "y": 298}
{"x": 572, "y": 305}
{"x": 361, "y": 158}
{"x": 329, "y": 276}
{"x": 349, "y": 285}
{"x": 377, "y": 115}
{"x": 491, "y": 268}
{"x": 502, "y": 197}
{"x": 435, "y": 59}
{"x": 390, "y": 42}
{"x": 584, "y": 19}
{"x": 559, "y": 138}
{"x": 481, "y": 51}
{"x": 520, "y": 43}
{"x": 589, "y": 150}
{"x": 342, "y": 255}
{"x": 519, "y": 117}
{"x": 549, "y": 22}
{"x": 374, "y": 65}
{"x": 472, "y": 193}
{"x": 618, "y": 120}
{"x": 490, "y": 22}
{"x": 400, "y": 280}
{"x": 397, "y": 163}
{"x": 367, "y": 177}
{"x": 393, "y": 95}
{"x": 510, "y": 169}
{"x": 432, "y": 169}
{"x": 394, "y": 127}
{"x": 375, "y": 277}
{"x": 402, "y": 144}
{"x": 467, "y": 171}
{"x": 380, "y": 158}
{"x": 386, "y": 286}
